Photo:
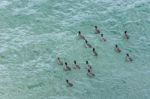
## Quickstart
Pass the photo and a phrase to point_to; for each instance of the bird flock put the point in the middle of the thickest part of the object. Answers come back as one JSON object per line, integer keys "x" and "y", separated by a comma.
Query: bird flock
{"x": 90, "y": 72}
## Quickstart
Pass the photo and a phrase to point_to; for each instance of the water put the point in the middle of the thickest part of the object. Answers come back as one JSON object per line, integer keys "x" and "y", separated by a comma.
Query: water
{"x": 34, "y": 32}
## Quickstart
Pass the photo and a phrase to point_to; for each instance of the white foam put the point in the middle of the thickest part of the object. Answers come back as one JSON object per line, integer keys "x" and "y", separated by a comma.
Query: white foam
{"x": 4, "y": 4}
{"x": 25, "y": 11}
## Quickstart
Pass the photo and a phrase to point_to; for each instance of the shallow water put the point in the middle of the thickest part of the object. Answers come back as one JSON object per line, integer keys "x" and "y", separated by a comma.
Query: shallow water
{"x": 34, "y": 32}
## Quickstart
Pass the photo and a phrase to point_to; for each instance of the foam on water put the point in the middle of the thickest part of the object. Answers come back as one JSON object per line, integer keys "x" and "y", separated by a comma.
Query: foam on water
{"x": 33, "y": 33}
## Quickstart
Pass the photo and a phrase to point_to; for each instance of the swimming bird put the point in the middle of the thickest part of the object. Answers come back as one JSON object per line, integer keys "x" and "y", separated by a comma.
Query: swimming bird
{"x": 126, "y": 36}
{"x": 102, "y": 38}
{"x": 88, "y": 44}
{"x": 59, "y": 61}
{"x": 90, "y": 73}
{"x": 117, "y": 49}
{"x": 128, "y": 58}
{"x": 88, "y": 65}
{"x": 66, "y": 67}
{"x": 94, "y": 52}
{"x": 81, "y": 36}
{"x": 97, "y": 31}
{"x": 69, "y": 84}
{"x": 76, "y": 65}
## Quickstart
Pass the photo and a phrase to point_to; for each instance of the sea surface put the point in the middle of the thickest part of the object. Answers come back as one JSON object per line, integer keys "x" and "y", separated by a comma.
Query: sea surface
{"x": 33, "y": 33}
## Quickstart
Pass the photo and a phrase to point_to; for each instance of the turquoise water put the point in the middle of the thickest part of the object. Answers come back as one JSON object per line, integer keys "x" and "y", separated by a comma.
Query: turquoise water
{"x": 34, "y": 32}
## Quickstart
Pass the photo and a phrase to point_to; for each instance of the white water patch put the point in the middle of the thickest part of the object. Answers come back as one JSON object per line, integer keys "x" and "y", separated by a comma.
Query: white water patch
{"x": 27, "y": 8}
{"x": 4, "y": 4}
{"x": 24, "y": 11}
